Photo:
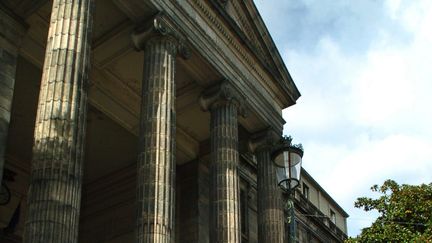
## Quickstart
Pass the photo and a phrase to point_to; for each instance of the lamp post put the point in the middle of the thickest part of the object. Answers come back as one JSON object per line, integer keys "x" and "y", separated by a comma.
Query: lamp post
{"x": 288, "y": 158}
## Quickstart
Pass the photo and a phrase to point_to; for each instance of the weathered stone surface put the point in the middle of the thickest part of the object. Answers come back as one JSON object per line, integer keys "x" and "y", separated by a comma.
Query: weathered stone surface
{"x": 156, "y": 156}
{"x": 203, "y": 202}
{"x": 223, "y": 103}
{"x": 11, "y": 33}
{"x": 54, "y": 195}
{"x": 270, "y": 211}
{"x": 225, "y": 189}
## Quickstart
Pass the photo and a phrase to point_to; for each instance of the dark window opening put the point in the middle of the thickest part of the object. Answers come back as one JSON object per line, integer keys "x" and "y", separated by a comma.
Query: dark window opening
{"x": 244, "y": 215}
{"x": 333, "y": 216}
{"x": 305, "y": 191}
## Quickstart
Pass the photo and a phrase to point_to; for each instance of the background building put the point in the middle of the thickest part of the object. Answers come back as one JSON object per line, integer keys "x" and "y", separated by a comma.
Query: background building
{"x": 131, "y": 122}
{"x": 319, "y": 217}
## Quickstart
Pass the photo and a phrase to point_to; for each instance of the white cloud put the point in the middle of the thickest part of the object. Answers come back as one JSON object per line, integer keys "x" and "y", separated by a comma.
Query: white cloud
{"x": 320, "y": 77}
{"x": 393, "y": 7}
{"x": 347, "y": 175}
{"x": 365, "y": 118}
{"x": 383, "y": 90}
{"x": 374, "y": 160}
{"x": 392, "y": 93}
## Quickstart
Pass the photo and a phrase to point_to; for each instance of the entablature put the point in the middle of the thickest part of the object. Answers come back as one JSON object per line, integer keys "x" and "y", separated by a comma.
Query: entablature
{"x": 207, "y": 31}
{"x": 243, "y": 18}
{"x": 116, "y": 74}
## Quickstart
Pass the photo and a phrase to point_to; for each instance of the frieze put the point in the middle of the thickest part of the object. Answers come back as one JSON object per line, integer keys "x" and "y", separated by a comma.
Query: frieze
{"x": 228, "y": 37}
{"x": 188, "y": 17}
{"x": 246, "y": 27}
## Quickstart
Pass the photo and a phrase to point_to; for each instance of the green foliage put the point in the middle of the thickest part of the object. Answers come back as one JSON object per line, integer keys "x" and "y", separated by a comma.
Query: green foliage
{"x": 405, "y": 214}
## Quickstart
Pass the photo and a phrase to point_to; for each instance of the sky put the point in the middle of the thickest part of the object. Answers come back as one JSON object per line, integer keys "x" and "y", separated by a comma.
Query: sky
{"x": 364, "y": 69}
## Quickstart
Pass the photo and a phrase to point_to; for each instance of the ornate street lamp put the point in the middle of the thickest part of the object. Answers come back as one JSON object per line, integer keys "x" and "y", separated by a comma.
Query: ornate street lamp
{"x": 288, "y": 158}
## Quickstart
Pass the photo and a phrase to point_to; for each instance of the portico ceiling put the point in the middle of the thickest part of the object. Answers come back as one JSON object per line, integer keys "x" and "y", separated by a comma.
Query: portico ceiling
{"x": 115, "y": 87}
{"x": 116, "y": 77}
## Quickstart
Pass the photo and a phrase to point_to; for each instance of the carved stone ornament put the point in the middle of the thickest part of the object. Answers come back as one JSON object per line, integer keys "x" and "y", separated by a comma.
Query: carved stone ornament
{"x": 220, "y": 94}
{"x": 157, "y": 26}
{"x": 262, "y": 140}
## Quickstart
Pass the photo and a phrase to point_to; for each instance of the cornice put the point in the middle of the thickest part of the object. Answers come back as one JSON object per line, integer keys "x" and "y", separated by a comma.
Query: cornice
{"x": 285, "y": 81}
{"x": 251, "y": 55}
{"x": 230, "y": 39}
{"x": 246, "y": 34}
{"x": 205, "y": 37}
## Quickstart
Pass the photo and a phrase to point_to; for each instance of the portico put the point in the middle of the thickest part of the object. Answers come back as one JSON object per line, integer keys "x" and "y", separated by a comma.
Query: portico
{"x": 144, "y": 111}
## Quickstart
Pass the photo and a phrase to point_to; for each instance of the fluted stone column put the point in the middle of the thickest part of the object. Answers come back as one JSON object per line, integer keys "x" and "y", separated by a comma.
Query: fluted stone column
{"x": 270, "y": 211}
{"x": 224, "y": 103}
{"x": 11, "y": 34}
{"x": 54, "y": 195}
{"x": 156, "y": 153}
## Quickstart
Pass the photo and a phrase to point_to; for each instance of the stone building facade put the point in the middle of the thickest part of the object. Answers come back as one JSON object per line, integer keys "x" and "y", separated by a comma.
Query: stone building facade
{"x": 319, "y": 218}
{"x": 133, "y": 120}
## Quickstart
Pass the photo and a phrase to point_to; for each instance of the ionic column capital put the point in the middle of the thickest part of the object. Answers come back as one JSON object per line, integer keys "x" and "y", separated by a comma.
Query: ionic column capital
{"x": 264, "y": 139}
{"x": 222, "y": 94}
{"x": 155, "y": 28}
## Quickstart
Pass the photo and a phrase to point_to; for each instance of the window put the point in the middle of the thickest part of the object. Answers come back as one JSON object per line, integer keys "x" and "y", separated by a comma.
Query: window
{"x": 305, "y": 191}
{"x": 332, "y": 216}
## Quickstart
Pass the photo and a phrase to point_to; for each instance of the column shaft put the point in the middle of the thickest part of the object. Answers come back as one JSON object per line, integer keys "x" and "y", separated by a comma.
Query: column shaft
{"x": 270, "y": 211}
{"x": 54, "y": 195}
{"x": 156, "y": 159}
{"x": 224, "y": 161}
{"x": 11, "y": 33}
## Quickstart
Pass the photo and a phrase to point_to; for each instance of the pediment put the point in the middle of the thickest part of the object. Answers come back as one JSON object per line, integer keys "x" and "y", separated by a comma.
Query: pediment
{"x": 238, "y": 11}
{"x": 247, "y": 22}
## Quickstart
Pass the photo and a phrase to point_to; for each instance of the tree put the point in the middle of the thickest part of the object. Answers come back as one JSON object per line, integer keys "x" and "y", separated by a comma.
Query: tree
{"x": 405, "y": 214}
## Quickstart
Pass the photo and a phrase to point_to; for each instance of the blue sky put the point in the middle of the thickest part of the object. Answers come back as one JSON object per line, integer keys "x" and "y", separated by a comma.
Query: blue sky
{"x": 364, "y": 68}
